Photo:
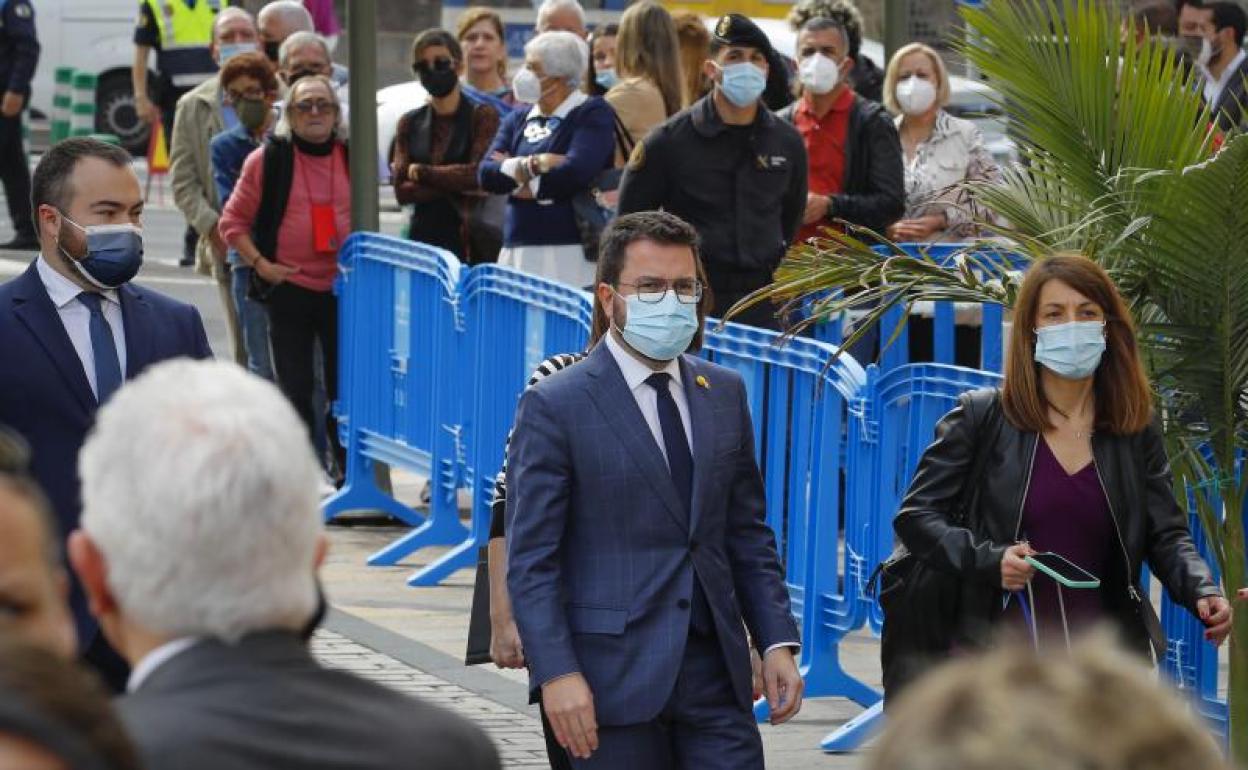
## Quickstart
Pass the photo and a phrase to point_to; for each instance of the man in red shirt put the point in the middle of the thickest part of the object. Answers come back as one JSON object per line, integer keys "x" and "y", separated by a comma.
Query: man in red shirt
{"x": 854, "y": 155}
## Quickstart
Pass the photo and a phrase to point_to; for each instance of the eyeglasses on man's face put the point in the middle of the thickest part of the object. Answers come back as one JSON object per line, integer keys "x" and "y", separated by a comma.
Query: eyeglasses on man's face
{"x": 653, "y": 290}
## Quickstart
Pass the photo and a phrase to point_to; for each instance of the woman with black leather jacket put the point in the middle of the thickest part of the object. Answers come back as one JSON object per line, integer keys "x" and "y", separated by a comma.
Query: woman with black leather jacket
{"x": 1066, "y": 458}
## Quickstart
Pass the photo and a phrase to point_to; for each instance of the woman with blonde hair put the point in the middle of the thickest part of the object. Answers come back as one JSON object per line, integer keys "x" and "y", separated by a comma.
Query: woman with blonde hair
{"x": 647, "y": 63}
{"x": 695, "y": 49}
{"x": 479, "y": 31}
{"x": 940, "y": 152}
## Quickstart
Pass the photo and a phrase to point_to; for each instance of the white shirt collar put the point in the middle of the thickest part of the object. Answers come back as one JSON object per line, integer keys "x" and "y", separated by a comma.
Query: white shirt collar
{"x": 635, "y": 372}
{"x": 574, "y": 100}
{"x": 1214, "y": 88}
{"x": 61, "y": 290}
{"x": 157, "y": 658}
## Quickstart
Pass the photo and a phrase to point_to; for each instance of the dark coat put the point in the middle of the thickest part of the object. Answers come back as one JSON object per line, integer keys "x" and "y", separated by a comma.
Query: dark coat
{"x": 266, "y": 703}
{"x": 1135, "y": 474}
{"x": 873, "y": 194}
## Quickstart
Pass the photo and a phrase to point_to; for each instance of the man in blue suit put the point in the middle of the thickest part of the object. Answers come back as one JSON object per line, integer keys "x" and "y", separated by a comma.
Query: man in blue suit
{"x": 637, "y": 541}
{"x": 72, "y": 329}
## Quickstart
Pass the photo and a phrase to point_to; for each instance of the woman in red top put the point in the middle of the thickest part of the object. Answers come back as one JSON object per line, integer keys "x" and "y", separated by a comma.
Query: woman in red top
{"x": 287, "y": 218}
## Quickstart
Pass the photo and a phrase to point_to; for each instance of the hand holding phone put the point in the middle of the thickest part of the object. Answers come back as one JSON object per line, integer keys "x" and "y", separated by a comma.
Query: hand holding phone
{"x": 1064, "y": 571}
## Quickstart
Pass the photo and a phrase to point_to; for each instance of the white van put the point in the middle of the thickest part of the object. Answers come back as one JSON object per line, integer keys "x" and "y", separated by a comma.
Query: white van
{"x": 96, "y": 36}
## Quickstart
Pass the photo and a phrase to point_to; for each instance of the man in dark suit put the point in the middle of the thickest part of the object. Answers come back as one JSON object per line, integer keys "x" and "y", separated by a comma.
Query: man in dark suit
{"x": 206, "y": 588}
{"x": 1225, "y": 71}
{"x": 72, "y": 327}
{"x": 637, "y": 541}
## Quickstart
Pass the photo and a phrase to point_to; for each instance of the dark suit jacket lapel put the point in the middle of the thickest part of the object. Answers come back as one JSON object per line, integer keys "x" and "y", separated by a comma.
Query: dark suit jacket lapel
{"x": 610, "y": 393}
{"x": 702, "y": 426}
{"x": 136, "y": 317}
{"x": 34, "y": 307}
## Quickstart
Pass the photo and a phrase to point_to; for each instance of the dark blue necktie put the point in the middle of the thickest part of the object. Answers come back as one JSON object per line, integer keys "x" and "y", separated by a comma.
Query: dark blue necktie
{"x": 680, "y": 464}
{"x": 104, "y": 350}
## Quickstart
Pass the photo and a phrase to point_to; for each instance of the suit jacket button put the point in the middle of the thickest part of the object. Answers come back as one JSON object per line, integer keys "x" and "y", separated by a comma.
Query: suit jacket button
{"x": 682, "y": 604}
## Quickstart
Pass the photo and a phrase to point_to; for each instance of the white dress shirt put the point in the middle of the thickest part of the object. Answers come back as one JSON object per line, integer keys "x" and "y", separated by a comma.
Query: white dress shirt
{"x": 635, "y": 375}
{"x": 1213, "y": 88}
{"x": 157, "y": 658}
{"x": 77, "y": 318}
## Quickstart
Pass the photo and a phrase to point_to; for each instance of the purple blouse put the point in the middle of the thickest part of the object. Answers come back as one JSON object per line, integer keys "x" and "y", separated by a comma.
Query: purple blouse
{"x": 1068, "y": 515}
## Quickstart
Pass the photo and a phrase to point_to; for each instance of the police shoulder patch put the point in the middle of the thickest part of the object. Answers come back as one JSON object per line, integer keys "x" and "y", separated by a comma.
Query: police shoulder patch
{"x": 637, "y": 158}
{"x": 23, "y": 11}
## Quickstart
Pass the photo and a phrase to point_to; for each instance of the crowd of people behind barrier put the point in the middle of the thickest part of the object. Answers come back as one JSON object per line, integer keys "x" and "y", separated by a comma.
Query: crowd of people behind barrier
{"x": 668, "y": 168}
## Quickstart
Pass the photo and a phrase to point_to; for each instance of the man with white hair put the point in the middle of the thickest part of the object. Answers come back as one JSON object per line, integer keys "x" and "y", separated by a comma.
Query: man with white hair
{"x": 562, "y": 16}
{"x": 201, "y": 114}
{"x": 205, "y": 587}
{"x": 282, "y": 19}
{"x": 307, "y": 53}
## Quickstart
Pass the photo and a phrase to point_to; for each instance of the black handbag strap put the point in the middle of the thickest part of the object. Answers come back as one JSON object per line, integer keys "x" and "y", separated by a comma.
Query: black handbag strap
{"x": 988, "y": 403}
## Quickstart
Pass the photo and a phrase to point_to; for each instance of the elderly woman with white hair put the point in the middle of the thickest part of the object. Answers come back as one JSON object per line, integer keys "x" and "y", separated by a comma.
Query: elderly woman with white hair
{"x": 287, "y": 217}
{"x": 547, "y": 158}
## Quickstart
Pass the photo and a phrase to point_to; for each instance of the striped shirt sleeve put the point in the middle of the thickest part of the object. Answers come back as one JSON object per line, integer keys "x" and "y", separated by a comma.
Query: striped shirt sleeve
{"x": 546, "y": 368}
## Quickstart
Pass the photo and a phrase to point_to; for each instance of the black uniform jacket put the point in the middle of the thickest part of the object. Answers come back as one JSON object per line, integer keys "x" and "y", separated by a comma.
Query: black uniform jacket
{"x": 745, "y": 202}
{"x": 1134, "y": 472}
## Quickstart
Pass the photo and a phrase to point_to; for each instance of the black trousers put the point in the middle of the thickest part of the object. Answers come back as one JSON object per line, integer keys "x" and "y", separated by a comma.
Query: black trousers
{"x": 15, "y": 174}
{"x": 298, "y": 318}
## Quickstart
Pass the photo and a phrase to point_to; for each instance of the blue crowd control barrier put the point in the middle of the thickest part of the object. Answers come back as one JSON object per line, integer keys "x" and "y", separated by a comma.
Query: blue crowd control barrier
{"x": 903, "y": 407}
{"x": 396, "y": 329}
{"x": 800, "y": 407}
{"x": 511, "y": 322}
{"x": 1193, "y": 663}
{"x": 944, "y": 314}
{"x": 894, "y": 423}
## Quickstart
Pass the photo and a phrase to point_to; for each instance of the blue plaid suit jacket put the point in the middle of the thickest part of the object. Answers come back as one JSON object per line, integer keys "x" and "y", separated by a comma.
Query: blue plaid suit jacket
{"x": 601, "y": 554}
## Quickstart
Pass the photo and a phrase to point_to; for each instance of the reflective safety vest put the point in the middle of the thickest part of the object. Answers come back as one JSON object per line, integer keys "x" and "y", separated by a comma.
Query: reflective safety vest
{"x": 185, "y": 37}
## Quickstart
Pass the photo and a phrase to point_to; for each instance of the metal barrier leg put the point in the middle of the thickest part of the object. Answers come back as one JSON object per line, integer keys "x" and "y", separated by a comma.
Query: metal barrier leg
{"x": 360, "y": 493}
{"x": 857, "y": 731}
{"x": 460, "y": 557}
{"x": 442, "y": 528}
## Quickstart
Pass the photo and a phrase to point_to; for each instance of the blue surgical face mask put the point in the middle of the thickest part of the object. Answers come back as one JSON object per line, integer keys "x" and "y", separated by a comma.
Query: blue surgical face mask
{"x": 114, "y": 254}
{"x": 227, "y": 51}
{"x": 1071, "y": 350}
{"x": 606, "y": 78}
{"x": 660, "y": 330}
{"x": 743, "y": 83}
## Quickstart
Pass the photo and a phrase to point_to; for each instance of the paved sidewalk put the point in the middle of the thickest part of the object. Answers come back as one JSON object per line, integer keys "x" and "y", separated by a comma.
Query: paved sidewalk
{"x": 517, "y": 736}
{"x": 414, "y": 639}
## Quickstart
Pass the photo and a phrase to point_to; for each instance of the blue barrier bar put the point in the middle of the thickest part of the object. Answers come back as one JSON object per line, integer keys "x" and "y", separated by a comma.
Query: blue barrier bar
{"x": 800, "y": 407}
{"x": 390, "y": 407}
{"x": 511, "y": 322}
{"x": 896, "y": 418}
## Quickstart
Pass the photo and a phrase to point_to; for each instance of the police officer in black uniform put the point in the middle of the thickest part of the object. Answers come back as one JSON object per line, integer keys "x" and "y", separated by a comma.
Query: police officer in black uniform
{"x": 19, "y": 54}
{"x": 730, "y": 168}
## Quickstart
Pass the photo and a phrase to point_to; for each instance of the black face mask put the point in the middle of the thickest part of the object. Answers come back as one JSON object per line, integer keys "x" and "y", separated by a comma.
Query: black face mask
{"x": 295, "y": 77}
{"x": 271, "y": 50}
{"x": 438, "y": 82}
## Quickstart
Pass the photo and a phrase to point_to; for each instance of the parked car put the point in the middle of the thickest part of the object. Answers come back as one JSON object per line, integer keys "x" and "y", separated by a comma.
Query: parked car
{"x": 95, "y": 36}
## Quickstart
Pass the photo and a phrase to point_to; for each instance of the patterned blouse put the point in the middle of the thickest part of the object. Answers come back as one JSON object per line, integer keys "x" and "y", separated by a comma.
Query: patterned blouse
{"x": 954, "y": 153}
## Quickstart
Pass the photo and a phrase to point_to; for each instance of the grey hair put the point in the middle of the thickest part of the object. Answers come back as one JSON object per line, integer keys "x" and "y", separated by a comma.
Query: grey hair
{"x": 231, "y": 553}
{"x": 291, "y": 12}
{"x": 301, "y": 40}
{"x": 562, "y": 54}
{"x": 553, "y": 6}
{"x": 823, "y": 24}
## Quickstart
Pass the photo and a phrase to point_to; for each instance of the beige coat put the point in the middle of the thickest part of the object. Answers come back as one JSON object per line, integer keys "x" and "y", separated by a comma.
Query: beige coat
{"x": 953, "y": 154}
{"x": 197, "y": 120}
{"x": 639, "y": 104}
